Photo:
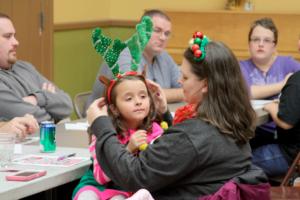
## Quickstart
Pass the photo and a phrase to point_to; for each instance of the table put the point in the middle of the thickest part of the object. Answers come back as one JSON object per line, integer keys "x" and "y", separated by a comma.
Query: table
{"x": 71, "y": 138}
{"x": 55, "y": 176}
{"x": 262, "y": 116}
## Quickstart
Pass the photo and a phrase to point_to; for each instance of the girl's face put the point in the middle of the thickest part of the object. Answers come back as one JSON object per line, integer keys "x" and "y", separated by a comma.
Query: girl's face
{"x": 193, "y": 88}
{"x": 132, "y": 102}
{"x": 261, "y": 45}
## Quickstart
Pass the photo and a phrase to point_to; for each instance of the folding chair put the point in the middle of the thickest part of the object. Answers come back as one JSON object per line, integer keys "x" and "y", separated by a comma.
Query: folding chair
{"x": 79, "y": 102}
{"x": 293, "y": 172}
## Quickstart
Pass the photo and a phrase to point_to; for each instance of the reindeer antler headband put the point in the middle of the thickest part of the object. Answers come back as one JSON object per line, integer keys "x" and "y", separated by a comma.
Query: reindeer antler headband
{"x": 110, "y": 50}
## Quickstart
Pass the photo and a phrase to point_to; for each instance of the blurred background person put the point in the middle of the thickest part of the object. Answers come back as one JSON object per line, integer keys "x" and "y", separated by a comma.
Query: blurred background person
{"x": 161, "y": 68}
{"x": 23, "y": 90}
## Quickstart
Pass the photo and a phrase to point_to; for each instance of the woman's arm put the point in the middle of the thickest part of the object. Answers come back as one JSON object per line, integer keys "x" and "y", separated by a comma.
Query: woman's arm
{"x": 160, "y": 165}
{"x": 272, "y": 109}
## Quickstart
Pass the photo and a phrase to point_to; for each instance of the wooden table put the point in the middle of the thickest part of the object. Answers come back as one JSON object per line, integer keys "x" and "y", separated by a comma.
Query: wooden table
{"x": 55, "y": 176}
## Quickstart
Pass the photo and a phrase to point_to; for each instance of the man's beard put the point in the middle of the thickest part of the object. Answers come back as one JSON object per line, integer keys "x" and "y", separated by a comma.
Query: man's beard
{"x": 12, "y": 59}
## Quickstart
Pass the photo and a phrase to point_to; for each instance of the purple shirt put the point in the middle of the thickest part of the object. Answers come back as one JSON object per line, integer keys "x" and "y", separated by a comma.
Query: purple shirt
{"x": 282, "y": 66}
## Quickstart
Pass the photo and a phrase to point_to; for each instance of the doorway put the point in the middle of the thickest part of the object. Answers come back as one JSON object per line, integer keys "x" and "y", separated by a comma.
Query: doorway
{"x": 33, "y": 21}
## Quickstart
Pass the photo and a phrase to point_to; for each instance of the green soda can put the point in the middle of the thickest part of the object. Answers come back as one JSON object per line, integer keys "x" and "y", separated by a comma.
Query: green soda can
{"x": 47, "y": 137}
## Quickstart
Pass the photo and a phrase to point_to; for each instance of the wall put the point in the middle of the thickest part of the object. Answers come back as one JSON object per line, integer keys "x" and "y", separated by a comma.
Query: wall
{"x": 231, "y": 28}
{"x": 290, "y": 6}
{"x": 80, "y": 10}
{"x": 85, "y": 10}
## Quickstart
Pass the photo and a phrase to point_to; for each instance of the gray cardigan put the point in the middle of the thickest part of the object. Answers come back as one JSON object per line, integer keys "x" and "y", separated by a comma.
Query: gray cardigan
{"x": 23, "y": 80}
{"x": 189, "y": 160}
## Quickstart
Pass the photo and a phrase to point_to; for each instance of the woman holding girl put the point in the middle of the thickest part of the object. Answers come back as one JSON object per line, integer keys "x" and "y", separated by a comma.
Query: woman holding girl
{"x": 201, "y": 154}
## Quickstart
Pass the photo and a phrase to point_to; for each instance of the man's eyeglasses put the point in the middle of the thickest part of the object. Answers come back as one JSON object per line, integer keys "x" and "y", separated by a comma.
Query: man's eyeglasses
{"x": 160, "y": 32}
{"x": 264, "y": 41}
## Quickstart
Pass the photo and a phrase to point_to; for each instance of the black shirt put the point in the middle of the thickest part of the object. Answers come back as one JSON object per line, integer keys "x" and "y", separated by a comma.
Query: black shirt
{"x": 289, "y": 112}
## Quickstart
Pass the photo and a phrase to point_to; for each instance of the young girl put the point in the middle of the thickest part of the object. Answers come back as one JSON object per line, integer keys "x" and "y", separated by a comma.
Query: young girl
{"x": 132, "y": 110}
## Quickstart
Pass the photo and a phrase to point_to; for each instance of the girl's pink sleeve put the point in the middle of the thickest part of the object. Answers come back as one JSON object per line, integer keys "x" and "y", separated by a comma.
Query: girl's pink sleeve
{"x": 99, "y": 174}
{"x": 157, "y": 131}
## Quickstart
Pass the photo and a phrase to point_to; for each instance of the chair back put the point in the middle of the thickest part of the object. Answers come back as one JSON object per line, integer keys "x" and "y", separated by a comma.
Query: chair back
{"x": 79, "y": 102}
{"x": 293, "y": 172}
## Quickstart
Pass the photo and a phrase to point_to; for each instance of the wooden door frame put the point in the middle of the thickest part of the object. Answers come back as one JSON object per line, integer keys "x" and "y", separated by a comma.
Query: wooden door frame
{"x": 39, "y": 27}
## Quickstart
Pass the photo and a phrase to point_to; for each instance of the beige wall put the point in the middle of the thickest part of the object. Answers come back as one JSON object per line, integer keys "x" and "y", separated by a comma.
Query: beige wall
{"x": 290, "y": 6}
{"x": 138, "y": 6}
{"x": 66, "y": 11}
{"x": 89, "y": 10}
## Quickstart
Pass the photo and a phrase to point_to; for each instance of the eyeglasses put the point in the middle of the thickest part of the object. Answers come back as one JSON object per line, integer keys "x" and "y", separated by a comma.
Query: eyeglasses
{"x": 264, "y": 41}
{"x": 160, "y": 32}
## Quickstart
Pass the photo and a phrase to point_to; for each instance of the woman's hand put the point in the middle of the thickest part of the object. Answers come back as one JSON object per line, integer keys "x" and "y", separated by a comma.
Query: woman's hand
{"x": 159, "y": 96}
{"x": 97, "y": 108}
{"x": 136, "y": 139}
{"x": 271, "y": 107}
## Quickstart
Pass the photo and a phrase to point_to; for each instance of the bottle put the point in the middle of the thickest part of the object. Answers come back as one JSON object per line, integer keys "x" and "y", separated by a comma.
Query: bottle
{"x": 248, "y": 5}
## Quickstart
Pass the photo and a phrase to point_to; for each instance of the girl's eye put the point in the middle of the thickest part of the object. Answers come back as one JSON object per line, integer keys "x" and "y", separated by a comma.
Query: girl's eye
{"x": 144, "y": 96}
{"x": 128, "y": 99}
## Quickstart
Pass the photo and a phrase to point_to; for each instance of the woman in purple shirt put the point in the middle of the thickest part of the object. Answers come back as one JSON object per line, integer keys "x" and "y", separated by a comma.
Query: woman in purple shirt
{"x": 266, "y": 73}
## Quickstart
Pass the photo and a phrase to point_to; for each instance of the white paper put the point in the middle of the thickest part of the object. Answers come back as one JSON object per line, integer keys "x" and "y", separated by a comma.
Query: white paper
{"x": 259, "y": 104}
{"x": 46, "y": 160}
{"x": 18, "y": 149}
{"x": 81, "y": 126}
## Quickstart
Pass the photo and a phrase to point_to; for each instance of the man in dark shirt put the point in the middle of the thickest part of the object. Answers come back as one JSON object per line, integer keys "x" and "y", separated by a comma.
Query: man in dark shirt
{"x": 286, "y": 115}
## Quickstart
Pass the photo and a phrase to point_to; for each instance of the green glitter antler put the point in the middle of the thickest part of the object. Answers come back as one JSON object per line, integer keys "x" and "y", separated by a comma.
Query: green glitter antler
{"x": 136, "y": 44}
{"x": 102, "y": 45}
{"x": 139, "y": 40}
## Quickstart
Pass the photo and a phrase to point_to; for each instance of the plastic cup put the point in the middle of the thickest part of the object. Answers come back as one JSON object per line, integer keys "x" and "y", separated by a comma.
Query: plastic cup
{"x": 7, "y": 145}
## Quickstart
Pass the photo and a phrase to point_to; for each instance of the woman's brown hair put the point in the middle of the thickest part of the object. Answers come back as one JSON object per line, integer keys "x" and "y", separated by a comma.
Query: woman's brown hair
{"x": 226, "y": 104}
